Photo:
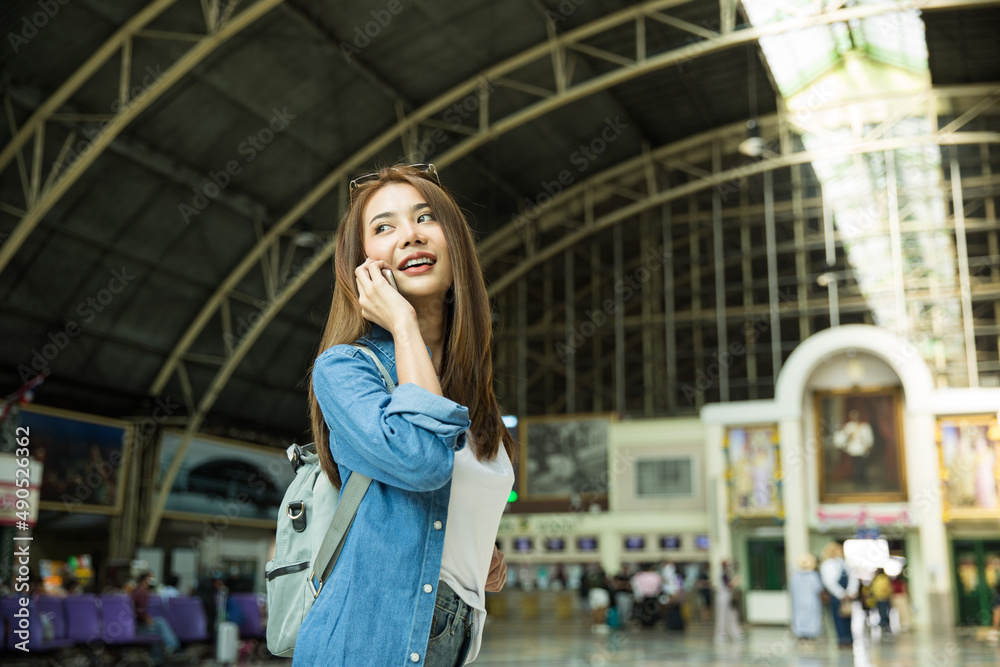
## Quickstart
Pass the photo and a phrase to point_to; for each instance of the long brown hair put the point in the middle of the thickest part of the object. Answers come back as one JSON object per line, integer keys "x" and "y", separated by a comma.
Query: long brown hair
{"x": 467, "y": 363}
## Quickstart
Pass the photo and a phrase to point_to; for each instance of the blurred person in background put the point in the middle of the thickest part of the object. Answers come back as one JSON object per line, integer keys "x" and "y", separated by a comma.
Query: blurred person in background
{"x": 900, "y": 603}
{"x": 882, "y": 592}
{"x": 672, "y": 597}
{"x": 210, "y": 590}
{"x": 842, "y": 588}
{"x": 169, "y": 588}
{"x": 865, "y": 608}
{"x": 727, "y": 600}
{"x": 646, "y": 586}
{"x": 622, "y": 597}
{"x": 147, "y": 624}
{"x": 806, "y": 589}
{"x": 584, "y": 589}
{"x": 558, "y": 582}
{"x": 704, "y": 587}
{"x": 599, "y": 600}
{"x": 994, "y": 634}
{"x": 237, "y": 582}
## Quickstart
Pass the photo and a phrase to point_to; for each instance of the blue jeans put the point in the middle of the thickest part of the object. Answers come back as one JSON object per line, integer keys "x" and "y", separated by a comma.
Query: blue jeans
{"x": 451, "y": 630}
{"x": 883, "y": 614}
{"x": 162, "y": 628}
{"x": 841, "y": 624}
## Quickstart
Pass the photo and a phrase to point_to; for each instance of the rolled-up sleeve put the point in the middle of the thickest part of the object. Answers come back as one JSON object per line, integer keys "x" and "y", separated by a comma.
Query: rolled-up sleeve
{"x": 407, "y": 439}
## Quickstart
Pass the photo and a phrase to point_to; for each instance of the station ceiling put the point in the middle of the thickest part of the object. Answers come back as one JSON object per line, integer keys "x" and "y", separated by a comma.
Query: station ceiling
{"x": 106, "y": 286}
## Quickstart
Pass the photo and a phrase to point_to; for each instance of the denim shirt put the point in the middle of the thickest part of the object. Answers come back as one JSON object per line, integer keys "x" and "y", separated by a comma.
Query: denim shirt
{"x": 376, "y": 607}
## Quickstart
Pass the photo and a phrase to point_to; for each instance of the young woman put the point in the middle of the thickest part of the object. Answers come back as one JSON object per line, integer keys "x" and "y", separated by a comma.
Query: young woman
{"x": 409, "y": 586}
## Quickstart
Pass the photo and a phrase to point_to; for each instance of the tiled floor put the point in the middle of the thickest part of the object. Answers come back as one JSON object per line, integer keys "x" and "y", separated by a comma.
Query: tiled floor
{"x": 573, "y": 645}
{"x": 550, "y": 644}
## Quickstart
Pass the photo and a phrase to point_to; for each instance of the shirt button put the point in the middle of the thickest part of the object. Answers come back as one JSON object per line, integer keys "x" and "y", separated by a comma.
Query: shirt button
{"x": 414, "y": 657}
{"x": 427, "y": 589}
{"x": 437, "y": 525}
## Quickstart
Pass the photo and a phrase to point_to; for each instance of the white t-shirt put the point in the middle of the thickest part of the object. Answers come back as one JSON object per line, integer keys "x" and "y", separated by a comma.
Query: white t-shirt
{"x": 479, "y": 493}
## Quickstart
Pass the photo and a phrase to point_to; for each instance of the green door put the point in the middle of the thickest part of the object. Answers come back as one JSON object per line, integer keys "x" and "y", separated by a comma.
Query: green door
{"x": 977, "y": 574}
{"x": 766, "y": 564}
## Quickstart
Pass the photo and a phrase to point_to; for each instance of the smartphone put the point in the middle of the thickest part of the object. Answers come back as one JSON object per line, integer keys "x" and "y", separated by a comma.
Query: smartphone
{"x": 388, "y": 276}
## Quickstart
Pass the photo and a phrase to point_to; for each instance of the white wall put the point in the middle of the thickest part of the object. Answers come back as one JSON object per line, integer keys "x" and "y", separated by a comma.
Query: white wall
{"x": 843, "y": 357}
{"x": 651, "y": 518}
{"x": 638, "y": 439}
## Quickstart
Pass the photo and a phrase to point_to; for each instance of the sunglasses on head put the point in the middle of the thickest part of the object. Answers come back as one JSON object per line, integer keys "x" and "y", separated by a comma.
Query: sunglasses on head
{"x": 427, "y": 171}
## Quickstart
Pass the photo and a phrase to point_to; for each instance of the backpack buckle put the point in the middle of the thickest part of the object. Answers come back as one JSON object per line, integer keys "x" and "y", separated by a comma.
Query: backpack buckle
{"x": 296, "y": 506}
{"x": 296, "y": 458}
{"x": 296, "y": 452}
{"x": 312, "y": 586}
{"x": 296, "y": 511}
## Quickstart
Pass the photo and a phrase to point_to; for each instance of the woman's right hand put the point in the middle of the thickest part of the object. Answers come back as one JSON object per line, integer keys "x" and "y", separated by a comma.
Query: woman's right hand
{"x": 497, "y": 576}
{"x": 380, "y": 303}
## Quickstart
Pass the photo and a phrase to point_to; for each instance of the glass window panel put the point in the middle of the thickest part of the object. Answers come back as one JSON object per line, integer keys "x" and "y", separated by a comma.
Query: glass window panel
{"x": 663, "y": 477}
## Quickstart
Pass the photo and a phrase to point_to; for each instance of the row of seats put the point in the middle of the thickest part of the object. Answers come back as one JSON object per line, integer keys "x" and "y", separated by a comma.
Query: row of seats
{"x": 57, "y": 623}
{"x": 249, "y": 619}
{"x": 110, "y": 619}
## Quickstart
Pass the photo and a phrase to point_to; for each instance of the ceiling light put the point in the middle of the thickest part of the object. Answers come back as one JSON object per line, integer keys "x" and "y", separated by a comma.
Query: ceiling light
{"x": 306, "y": 239}
{"x": 826, "y": 279}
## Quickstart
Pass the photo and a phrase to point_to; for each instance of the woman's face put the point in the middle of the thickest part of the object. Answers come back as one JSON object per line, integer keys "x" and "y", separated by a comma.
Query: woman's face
{"x": 400, "y": 229}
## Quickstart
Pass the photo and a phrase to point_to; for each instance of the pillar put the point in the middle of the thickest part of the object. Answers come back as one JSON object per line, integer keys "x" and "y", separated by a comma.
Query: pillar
{"x": 795, "y": 456}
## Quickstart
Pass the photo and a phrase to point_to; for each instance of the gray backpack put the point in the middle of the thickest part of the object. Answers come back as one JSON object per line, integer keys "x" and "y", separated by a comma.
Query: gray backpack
{"x": 311, "y": 532}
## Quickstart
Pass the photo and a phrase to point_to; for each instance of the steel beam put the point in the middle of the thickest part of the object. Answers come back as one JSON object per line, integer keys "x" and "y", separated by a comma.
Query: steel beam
{"x": 965, "y": 287}
{"x": 694, "y": 262}
{"x": 269, "y": 311}
{"x": 896, "y": 244}
{"x": 110, "y": 47}
{"x": 721, "y": 332}
{"x": 595, "y": 340}
{"x": 772, "y": 276}
{"x": 746, "y": 268}
{"x": 506, "y": 239}
{"x": 129, "y": 112}
{"x": 488, "y": 130}
{"x": 648, "y": 299}
{"x": 569, "y": 285}
{"x": 632, "y": 69}
{"x": 619, "y": 326}
{"x": 829, "y": 246}
{"x": 522, "y": 348}
{"x": 765, "y": 166}
{"x": 141, "y": 154}
{"x": 575, "y": 235}
{"x": 668, "y": 307}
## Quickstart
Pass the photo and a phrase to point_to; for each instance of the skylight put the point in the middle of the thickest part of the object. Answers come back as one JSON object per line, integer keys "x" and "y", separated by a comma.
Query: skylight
{"x": 888, "y": 206}
{"x": 798, "y": 57}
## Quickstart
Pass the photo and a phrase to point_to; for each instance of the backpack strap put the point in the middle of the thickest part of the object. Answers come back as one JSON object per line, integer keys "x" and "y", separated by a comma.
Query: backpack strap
{"x": 378, "y": 362}
{"x": 343, "y": 518}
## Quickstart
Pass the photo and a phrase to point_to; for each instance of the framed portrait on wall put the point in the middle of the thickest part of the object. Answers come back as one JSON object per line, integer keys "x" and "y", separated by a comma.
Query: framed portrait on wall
{"x": 564, "y": 456}
{"x": 753, "y": 471}
{"x": 970, "y": 461}
{"x": 82, "y": 459}
{"x": 859, "y": 434}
